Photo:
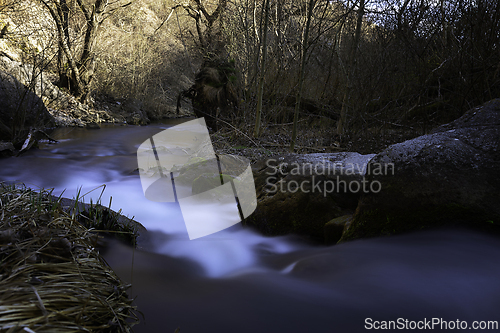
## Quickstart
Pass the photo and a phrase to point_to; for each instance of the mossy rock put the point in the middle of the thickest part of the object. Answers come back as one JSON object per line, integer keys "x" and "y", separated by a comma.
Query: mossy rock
{"x": 335, "y": 228}
{"x": 448, "y": 177}
{"x": 305, "y": 210}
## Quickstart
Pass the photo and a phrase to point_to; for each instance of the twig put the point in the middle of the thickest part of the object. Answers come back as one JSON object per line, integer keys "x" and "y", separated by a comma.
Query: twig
{"x": 168, "y": 18}
{"x": 269, "y": 144}
{"x": 387, "y": 122}
{"x": 286, "y": 124}
{"x": 47, "y": 136}
{"x": 237, "y": 130}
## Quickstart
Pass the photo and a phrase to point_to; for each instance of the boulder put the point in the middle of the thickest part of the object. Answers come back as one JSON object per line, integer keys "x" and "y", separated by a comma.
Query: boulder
{"x": 39, "y": 82}
{"x": 20, "y": 109}
{"x": 6, "y": 149}
{"x": 301, "y": 193}
{"x": 64, "y": 108}
{"x": 448, "y": 177}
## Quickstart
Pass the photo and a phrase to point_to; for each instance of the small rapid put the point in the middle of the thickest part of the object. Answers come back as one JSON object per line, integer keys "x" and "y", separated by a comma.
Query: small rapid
{"x": 102, "y": 165}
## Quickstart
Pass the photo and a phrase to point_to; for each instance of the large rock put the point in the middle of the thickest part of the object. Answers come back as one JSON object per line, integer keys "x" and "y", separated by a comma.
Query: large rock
{"x": 20, "y": 109}
{"x": 448, "y": 177}
{"x": 64, "y": 108}
{"x": 33, "y": 77}
{"x": 301, "y": 193}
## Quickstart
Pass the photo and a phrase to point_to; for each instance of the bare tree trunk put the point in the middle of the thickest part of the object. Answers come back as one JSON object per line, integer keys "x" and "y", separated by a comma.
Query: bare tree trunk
{"x": 254, "y": 79}
{"x": 303, "y": 48}
{"x": 208, "y": 45}
{"x": 63, "y": 11}
{"x": 260, "y": 91}
{"x": 77, "y": 87}
{"x": 81, "y": 68}
{"x": 351, "y": 62}
{"x": 93, "y": 18}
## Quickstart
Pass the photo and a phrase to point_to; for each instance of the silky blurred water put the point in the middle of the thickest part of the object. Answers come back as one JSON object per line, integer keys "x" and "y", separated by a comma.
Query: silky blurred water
{"x": 239, "y": 281}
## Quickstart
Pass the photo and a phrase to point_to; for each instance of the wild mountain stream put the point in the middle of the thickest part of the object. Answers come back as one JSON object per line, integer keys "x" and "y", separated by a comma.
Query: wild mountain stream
{"x": 239, "y": 281}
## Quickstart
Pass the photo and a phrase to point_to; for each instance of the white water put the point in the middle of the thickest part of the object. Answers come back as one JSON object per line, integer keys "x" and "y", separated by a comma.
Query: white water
{"x": 82, "y": 163}
{"x": 239, "y": 281}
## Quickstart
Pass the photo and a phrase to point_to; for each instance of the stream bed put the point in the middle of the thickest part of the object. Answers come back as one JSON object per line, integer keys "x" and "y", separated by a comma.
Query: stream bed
{"x": 239, "y": 281}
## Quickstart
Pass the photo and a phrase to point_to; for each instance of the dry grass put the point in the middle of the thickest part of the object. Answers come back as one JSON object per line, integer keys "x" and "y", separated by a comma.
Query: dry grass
{"x": 52, "y": 279}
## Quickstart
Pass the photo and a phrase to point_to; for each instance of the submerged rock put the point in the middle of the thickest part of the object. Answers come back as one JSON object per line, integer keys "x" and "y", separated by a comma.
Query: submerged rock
{"x": 301, "y": 193}
{"x": 450, "y": 176}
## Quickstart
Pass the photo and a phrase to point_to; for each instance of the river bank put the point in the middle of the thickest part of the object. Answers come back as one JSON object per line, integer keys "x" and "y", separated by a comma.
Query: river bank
{"x": 51, "y": 269}
{"x": 32, "y": 106}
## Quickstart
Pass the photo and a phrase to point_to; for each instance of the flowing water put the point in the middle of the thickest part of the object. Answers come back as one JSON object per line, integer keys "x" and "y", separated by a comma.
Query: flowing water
{"x": 239, "y": 281}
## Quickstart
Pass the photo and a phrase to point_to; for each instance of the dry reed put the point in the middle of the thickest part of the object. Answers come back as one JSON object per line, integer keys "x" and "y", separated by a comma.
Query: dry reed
{"x": 52, "y": 279}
